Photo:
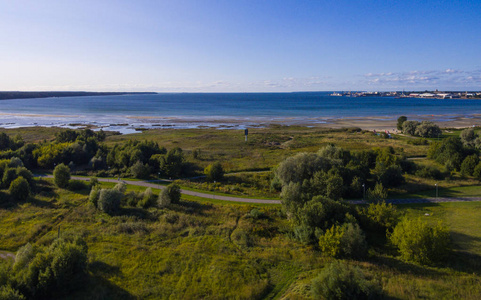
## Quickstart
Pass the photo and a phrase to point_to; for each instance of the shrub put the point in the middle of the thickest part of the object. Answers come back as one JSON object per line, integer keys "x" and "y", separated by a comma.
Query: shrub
{"x": 469, "y": 164}
{"x": 409, "y": 127}
{"x": 382, "y": 216}
{"x": 377, "y": 194}
{"x": 429, "y": 172}
{"x": 477, "y": 171}
{"x": 419, "y": 242}
{"x": 468, "y": 137}
{"x": 174, "y": 193}
{"x": 214, "y": 172}
{"x": 400, "y": 122}
{"x": 61, "y": 175}
{"x": 347, "y": 240}
{"x": 109, "y": 200}
{"x": 77, "y": 185}
{"x": 148, "y": 199}
{"x": 164, "y": 199}
{"x": 121, "y": 187}
{"x": 94, "y": 196}
{"x": 321, "y": 212}
{"x": 9, "y": 175}
{"x": 139, "y": 170}
{"x": 390, "y": 176}
{"x": 428, "y": 129}
{"x": 15, "y": 162}
{"x": 341, "y": 281}
{"x": 8, "y": 293}
{"x": 19, "y": 189}
{"x": 25, "y": 173}
{"x": 171, "y": 194}
{"x": 43, "y": 273}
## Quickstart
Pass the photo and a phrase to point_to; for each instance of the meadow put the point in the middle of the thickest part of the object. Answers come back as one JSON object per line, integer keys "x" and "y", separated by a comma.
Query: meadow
{"x": 204, "y": 248}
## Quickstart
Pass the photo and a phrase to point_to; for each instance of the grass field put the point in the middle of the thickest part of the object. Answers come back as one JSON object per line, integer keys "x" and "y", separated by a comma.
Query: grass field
{"x": 214, "y": 249}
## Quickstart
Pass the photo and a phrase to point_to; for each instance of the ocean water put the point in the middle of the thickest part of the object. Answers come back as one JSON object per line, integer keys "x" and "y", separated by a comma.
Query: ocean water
{"x": 223, "y": 110}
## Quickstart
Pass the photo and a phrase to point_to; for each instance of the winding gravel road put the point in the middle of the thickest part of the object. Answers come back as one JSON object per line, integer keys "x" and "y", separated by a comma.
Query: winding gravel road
{"x": 265, "y": 201}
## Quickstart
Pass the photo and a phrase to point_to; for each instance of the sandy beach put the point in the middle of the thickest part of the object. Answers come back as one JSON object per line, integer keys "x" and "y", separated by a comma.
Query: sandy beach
{"x": 131, "y": 124}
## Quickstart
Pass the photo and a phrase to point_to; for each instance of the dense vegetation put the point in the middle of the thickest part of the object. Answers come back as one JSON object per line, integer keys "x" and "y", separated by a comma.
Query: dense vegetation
{"x": 120, "y": 241}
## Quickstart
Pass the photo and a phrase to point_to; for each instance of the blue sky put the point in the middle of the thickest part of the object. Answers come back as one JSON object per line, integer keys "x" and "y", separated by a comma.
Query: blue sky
{"x": 239, "y": 46}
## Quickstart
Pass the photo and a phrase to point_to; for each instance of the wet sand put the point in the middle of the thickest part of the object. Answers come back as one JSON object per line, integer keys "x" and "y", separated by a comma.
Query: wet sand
{"x": 132, "y": 123}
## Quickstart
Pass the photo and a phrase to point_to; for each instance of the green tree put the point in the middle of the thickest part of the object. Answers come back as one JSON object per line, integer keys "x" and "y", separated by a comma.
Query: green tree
{"x": 377, "y": 194}
{"x": 94, "y": 196}
{"x": 400, "y": 122}
{"x": 171, "y": 164}
{"x": 171, "y": 194}
{"x": 468, "y": 137}
{"x": 417, "y": 241}
{"x": 139, "y": 170}
{"x": 469, "y": 164}
{"x": 214, "y": 172}
{"x": 109, "y": 200}
{"x": 428, "y": 129}
{"x": 409, "y": 127}
{"x": 346, "y": 240}
{"x": 61, "y": 175}
{"x": 19, "y": 189}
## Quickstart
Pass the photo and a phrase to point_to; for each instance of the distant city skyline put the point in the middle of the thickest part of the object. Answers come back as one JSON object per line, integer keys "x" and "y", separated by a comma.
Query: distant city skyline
{"x": 239, "y": 46}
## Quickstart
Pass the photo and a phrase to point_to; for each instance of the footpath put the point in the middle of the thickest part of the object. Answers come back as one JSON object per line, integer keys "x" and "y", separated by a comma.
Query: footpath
{"x": 151, "y": 184}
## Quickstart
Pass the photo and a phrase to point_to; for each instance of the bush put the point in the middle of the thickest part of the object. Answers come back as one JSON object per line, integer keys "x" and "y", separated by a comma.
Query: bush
{"x": 19, "y": 189}
{"x": 109, "y": 200}
{"x": 419, "y": 242}
{"x": 171, "y": 194}
{"x": 45, "y": 273}
{"x": 341, "y": 281}
{"x": 477, "y": 171}
{"x": 469, "y": 164}
{"x": 381, "y": 216}
{"x": 390, "y": 176}
{"x": 428, "y": 129}
{"x": 400, "y": 122}
{"x": 164, "y": 199}
{"x": 121, "y": 187}
{"x": 214, "y": 172}
{"x": 347, "y": 240}
{"x": 409, "y": 127}
{"x": 148, "y": 199}
{"x": 8, "y": 293}
{"x": 9, "y": 175}
{"x": 61, "y": 175}
{"x": 94, "y": 196}
{"x": 468, "y": 137}
{"x": 77, "y": 185}
{"x": 429, "y": 172}
{"x": 139, "y": 170}
{"x": 377, "y": 194}
{"x": 15, "y": 162}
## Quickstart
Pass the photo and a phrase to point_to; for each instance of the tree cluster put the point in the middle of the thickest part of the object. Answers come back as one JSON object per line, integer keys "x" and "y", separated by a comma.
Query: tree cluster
{"x": 46, "y": 272}
{"x": 455, "y": 153}
{"x": 423, "y": 129}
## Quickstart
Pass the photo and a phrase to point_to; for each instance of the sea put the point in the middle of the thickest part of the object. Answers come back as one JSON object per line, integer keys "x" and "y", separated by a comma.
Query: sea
{"x": 133, "y": 113}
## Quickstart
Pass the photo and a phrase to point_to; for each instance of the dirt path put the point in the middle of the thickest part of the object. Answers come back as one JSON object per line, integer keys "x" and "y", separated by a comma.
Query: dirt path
{"x": 7, "y": 255}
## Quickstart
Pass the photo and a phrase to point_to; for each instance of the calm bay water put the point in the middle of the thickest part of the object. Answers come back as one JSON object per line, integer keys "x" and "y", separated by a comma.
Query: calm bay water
{"x": 236, "y": 110}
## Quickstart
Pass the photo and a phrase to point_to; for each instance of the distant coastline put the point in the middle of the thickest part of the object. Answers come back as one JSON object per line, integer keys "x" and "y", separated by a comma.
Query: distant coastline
{"x": 10, "y": 95}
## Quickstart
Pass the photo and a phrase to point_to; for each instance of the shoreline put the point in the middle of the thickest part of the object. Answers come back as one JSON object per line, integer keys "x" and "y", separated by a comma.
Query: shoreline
{"x": 132, "y": 124}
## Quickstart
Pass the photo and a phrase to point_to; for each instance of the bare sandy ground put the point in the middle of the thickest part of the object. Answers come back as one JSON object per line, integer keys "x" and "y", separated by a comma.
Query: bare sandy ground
{"x": 383, "y": 123}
